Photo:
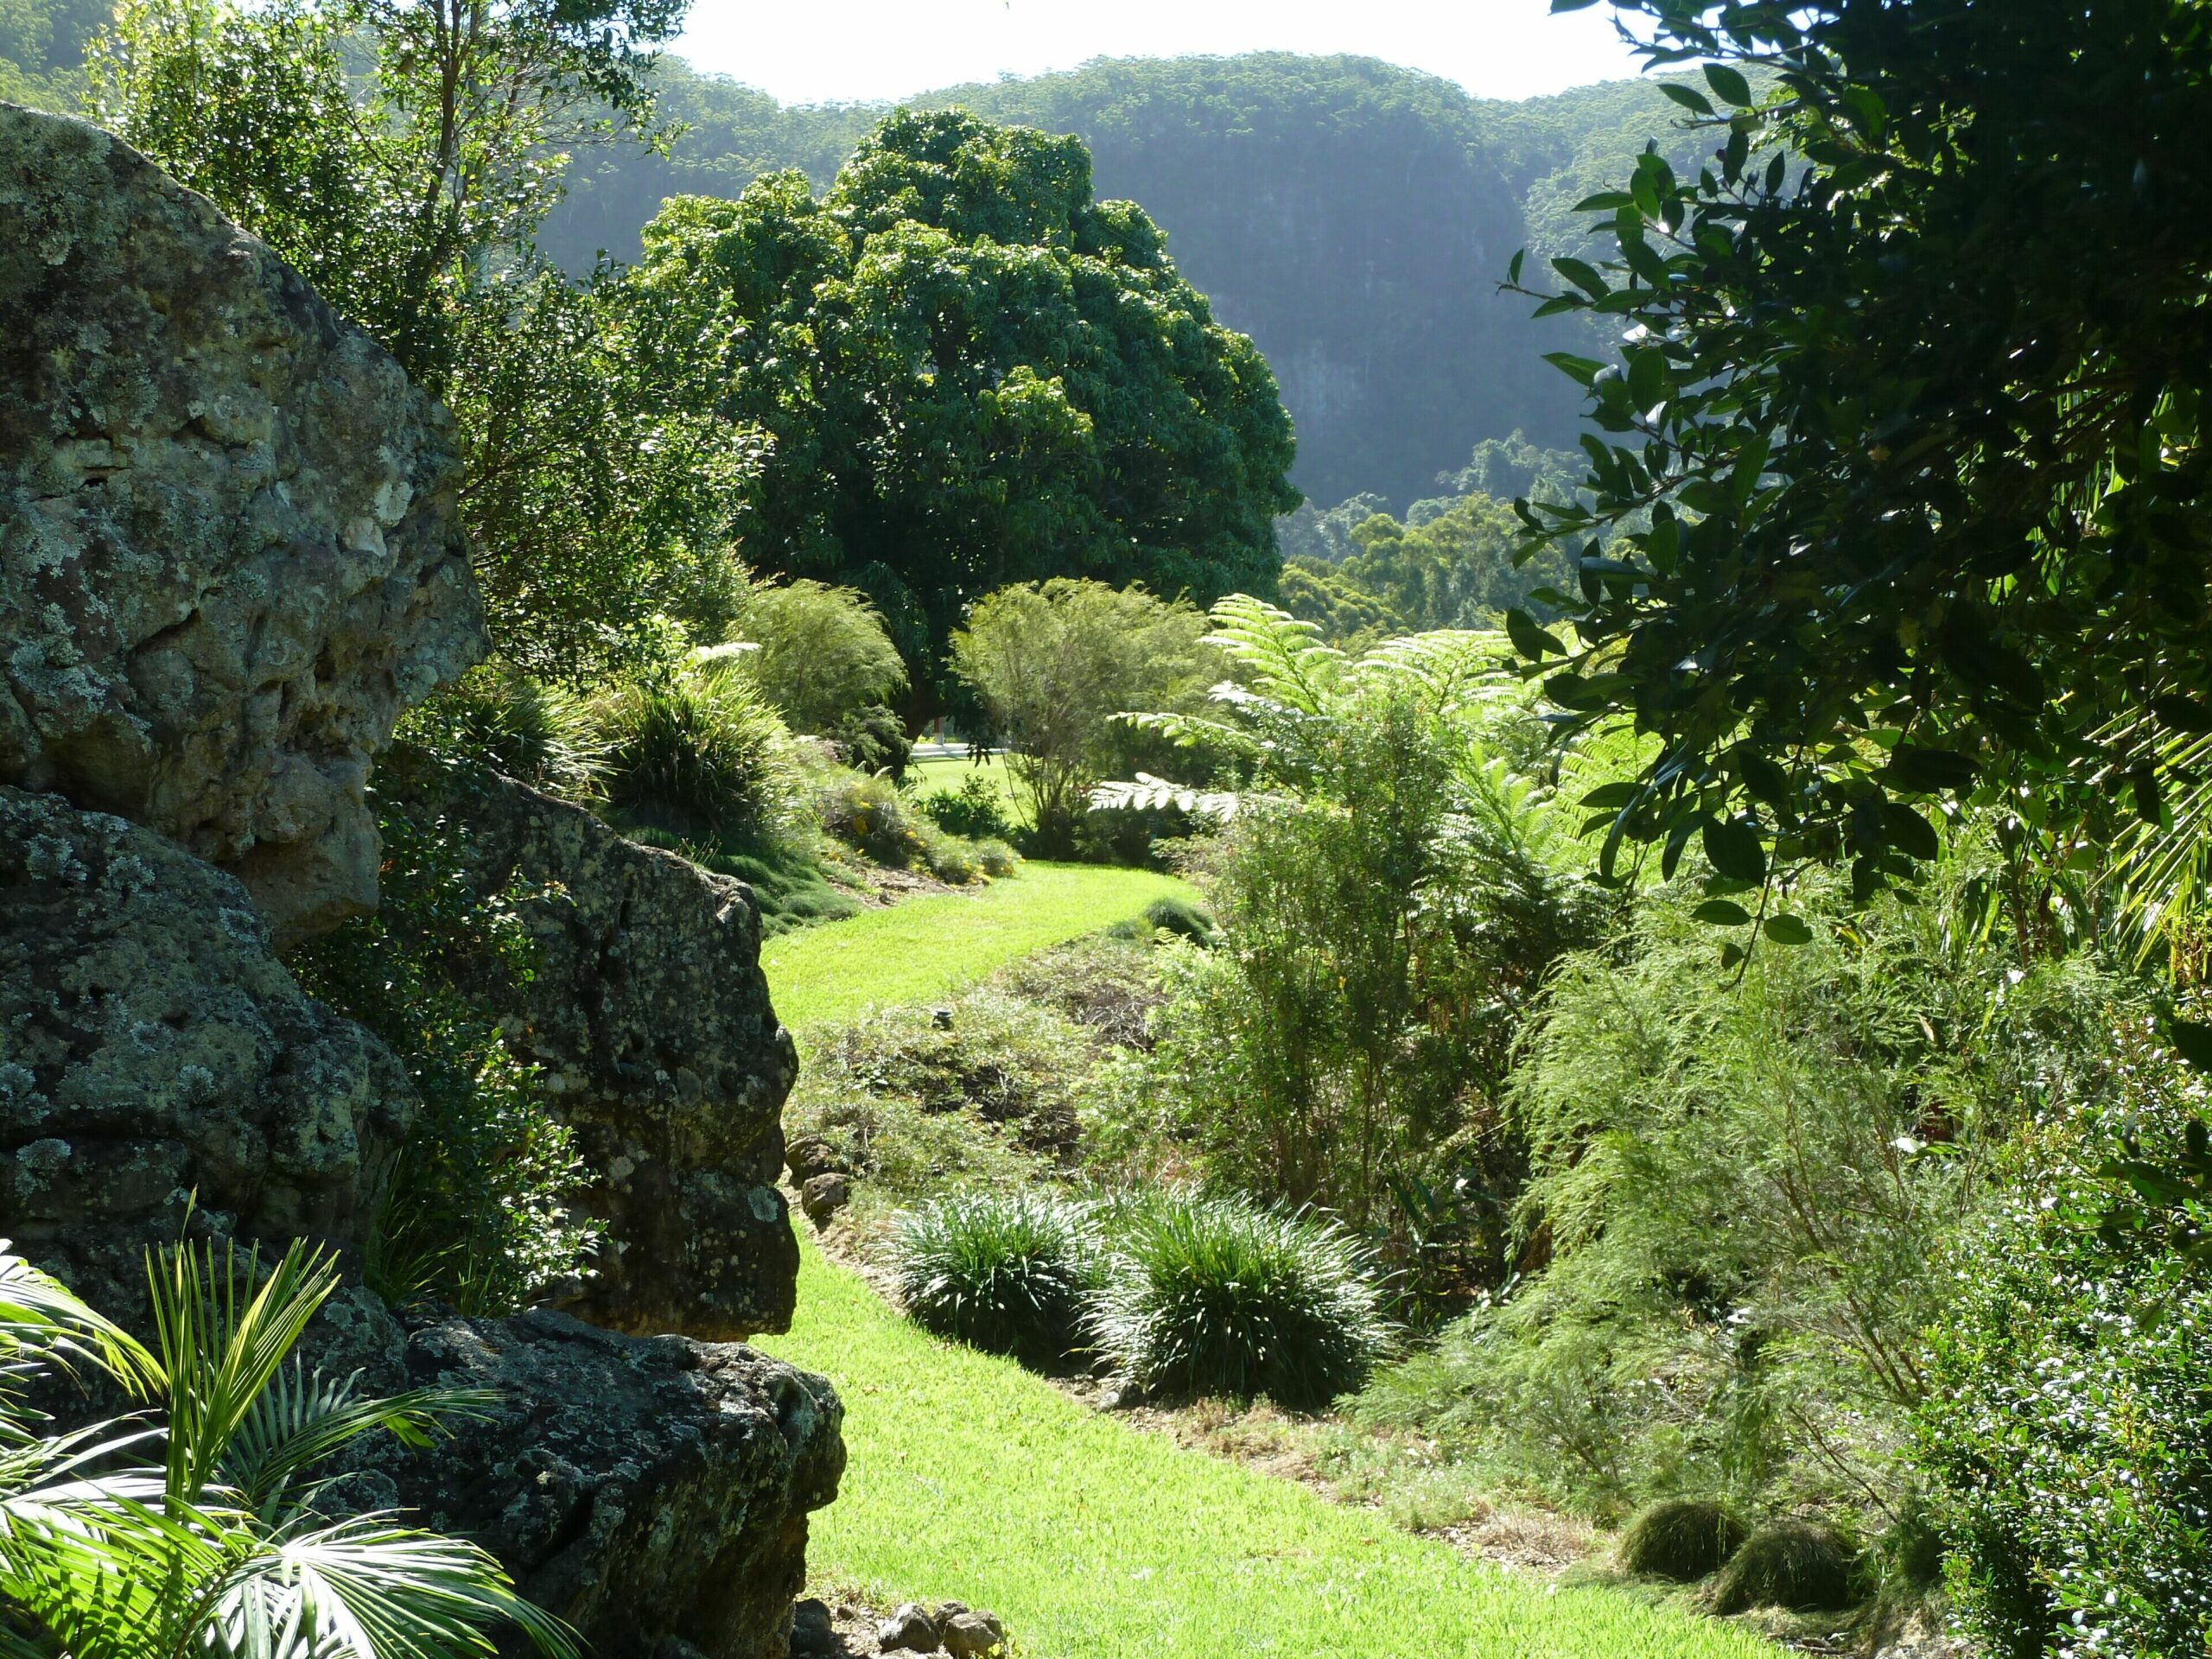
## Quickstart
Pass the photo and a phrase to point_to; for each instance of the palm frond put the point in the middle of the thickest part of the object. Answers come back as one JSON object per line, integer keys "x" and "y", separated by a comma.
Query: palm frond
{"x": 220, "y": 1343}
{"x": 301, "y": 1419}
{"x": 369, "y": 1588}
{"x": 43, "y": 1323}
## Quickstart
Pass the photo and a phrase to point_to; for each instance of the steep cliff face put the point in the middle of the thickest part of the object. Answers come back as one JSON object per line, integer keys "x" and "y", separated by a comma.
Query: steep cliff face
{"x": 227, "y": 563}
{"x": 228, "y": 553}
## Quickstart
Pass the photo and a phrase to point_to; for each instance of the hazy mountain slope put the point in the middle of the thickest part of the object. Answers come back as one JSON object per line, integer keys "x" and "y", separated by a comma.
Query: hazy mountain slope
{"x": 1354, "y": 217}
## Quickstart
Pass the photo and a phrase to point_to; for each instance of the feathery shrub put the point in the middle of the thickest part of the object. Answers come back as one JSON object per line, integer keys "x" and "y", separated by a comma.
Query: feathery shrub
{"x": 498, "y": 716}
{"x": 1215, "y": 1295}
{"x": 1009, "y": 1273}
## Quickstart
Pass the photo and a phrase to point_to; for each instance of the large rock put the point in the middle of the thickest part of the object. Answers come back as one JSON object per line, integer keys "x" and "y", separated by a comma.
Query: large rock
{"x": 647, "y": 1009}
{"x": 228, "y": 552}
{"x": 653, "y": 1491}
{"x": 152, "y": 1047}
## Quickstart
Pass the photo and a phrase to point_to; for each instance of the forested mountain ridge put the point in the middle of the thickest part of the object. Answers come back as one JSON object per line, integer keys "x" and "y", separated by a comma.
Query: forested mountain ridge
{"x": 1354, "y": 217}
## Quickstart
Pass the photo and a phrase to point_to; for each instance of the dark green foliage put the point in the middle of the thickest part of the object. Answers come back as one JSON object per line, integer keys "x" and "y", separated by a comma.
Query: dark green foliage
{"x": 1680, "y": 1538}
{"x": 522, "y": 727}
{"x": 2068, "y": 1419}
{"x": 970, "y": 373}
{"x": 1922, "y": 419}
{"x": 1798, "y": 1566}
{"x": 1210, "y": 1297}
{"x": 975, "y": 809}
{"x": 696, "y": 753}
{"x": 1185, "y": 920}
{"x": 1008, "y": 1272}
{"x": 402, "y": 162}
{"x": 478, "y": 1214}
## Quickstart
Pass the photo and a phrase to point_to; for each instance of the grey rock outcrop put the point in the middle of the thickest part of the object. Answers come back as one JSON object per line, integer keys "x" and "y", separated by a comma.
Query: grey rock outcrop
{"x": 647, "y": 1009}
{"x": 228, "y": 552}
{"x": 152, "y": 1047}
{"x": 653, "y": 1491}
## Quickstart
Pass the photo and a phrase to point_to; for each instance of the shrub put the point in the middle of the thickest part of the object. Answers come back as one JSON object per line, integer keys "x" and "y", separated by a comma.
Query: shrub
{"x": 1680, "y": 1538}
{"x": 997, "y": 859}
{"x": 1054, "y": 663}
{"x": 821, "y": 656}
{"x": 1796, "y": 1564}
{"x": 498, "y": 716}
{"x": 2069, "y": 1417}
{"x": 949, "y": 858}
{"x": 977, "y": 809}
{"x": 1009, "y": 1273}
{"x": 1218, "y": 1296}
{"x": 1180, "y": 917}
{"x": 873, "y": 815}
{"x": 696, "y": 752}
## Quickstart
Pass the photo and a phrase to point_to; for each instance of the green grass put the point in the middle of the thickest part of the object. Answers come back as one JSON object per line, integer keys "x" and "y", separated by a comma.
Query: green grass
{"x": 929, "y": 949}
{"x": 970, "y": 1479}
{"x": 926, "y": 777}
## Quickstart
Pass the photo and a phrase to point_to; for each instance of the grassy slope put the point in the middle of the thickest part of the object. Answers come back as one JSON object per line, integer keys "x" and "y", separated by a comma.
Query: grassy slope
{"x": 971, "y": 1479}
{"x": 931, "y": 948}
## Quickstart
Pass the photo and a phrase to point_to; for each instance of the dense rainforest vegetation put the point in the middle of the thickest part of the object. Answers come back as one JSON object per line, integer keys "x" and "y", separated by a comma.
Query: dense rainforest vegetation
{"x": 1698, "y": 1022}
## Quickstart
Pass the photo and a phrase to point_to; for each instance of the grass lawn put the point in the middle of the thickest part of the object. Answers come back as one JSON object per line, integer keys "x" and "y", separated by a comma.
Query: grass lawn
{"x": 971, "y": 1480}
{"x": 927, "y": 777}
{"x": 931, "y": 948}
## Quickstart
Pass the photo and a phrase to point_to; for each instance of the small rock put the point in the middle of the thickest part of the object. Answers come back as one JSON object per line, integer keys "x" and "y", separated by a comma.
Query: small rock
{"x": 947, "y": 1610}
{"x": 967, "y": 1633}
{"x": 823, "y": 1197}
{"x": 909, "y": 1629}
{"x": 812, "y": 1631}
{"x": 809, "y": 1155}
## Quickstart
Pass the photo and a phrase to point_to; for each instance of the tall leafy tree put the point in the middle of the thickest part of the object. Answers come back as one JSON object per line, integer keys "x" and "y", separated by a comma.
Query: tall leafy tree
{"x": 970, "y": 374}
{"x": 402, "y": 154}
{"x": 1901, "y": 494}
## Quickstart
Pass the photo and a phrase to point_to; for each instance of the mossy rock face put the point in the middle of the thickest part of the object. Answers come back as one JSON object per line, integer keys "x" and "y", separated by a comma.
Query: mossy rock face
{"x": 1796, "y": 1564}
{"x": 1680, "y": 1538}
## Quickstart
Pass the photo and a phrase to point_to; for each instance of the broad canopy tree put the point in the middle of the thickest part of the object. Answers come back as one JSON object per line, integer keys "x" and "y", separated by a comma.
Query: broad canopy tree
{"x": 969, "y": 374}
{"x": 1902, "y": 489}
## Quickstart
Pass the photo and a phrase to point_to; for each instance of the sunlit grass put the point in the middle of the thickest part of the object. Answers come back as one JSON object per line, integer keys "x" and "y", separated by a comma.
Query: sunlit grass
{"x": 970, "y": 1479}
{"x": 930, "y": 949}
{"x": 926, "y": 777}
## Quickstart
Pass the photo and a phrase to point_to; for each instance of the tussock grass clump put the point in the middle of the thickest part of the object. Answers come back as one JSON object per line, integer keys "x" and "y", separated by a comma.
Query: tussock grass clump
{"x": 1183, "y": 919}
{"x": 698, "y": 753}
{"x": 1680, "y": 1538}
{"x": 499, "y": 716}
{"x": 999, "y": 860}
{"x": 1007, "y": 1273}
{"x": 1797, "y": 1565}
{"x": 1218, "y": 1296}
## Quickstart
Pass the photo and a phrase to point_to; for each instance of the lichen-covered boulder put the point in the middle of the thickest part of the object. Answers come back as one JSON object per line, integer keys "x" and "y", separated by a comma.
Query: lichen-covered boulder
{"x": 653, "y": 1491}
{"x": 229, "y": 557}
{"x": 152, "y": 1047}
{"x": 646, "y": 1007}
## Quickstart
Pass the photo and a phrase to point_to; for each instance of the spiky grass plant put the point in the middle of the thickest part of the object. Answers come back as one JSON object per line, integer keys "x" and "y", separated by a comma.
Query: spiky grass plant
{"x": 128, "y": 1541}
{"x": 496, "y": 715}
{"x": 1684, "y": 1539}
{"x": 1215, "y": 1295}
{"x": 1011, "y": 1273}
{"x": 699, "y": 752}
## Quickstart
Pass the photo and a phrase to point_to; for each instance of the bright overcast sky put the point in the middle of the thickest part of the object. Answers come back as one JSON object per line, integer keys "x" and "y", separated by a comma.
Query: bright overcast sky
{"x": 825, "y": 51}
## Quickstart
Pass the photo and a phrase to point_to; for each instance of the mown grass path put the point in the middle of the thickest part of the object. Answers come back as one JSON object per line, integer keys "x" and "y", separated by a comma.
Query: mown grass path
{"x": 970, "y": 1479}
{"x": 930, "y": 948}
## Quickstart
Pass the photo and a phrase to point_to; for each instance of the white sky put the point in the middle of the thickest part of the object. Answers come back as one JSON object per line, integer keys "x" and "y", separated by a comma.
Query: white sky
{"x": 824, "y": 51}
